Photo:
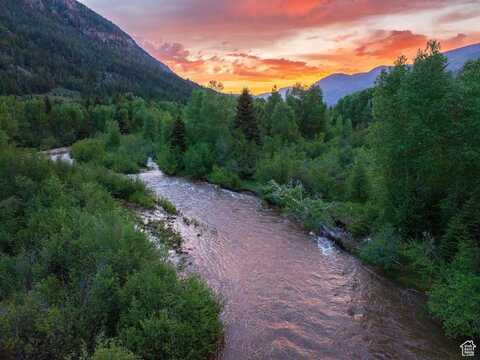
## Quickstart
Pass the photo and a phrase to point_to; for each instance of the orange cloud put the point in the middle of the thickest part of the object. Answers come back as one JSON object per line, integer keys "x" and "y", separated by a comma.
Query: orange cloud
{"x": 224, "y": 39}
{"x": 390, "y": 44}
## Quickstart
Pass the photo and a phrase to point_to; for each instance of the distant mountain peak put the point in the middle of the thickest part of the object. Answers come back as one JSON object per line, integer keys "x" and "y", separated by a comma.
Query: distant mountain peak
{"x": 338, "y": 85}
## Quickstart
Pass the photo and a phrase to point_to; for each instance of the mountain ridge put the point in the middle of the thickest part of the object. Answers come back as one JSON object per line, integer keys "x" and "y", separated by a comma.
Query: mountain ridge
{"x": 50, "y": 44}
{"x": 338, "y": 85}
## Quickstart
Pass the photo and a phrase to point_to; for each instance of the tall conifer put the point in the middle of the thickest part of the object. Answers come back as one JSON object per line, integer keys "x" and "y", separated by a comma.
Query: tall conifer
{"x": 246, "y": 120}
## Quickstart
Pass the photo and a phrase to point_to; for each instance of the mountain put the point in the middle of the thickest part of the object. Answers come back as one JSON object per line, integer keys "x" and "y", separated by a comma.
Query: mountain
{"x": 336, "y": 86}
{"x": 62, "y": 45}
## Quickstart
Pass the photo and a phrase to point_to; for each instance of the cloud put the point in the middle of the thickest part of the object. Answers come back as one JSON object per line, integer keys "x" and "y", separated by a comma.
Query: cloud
{"x": 260, "y": 43}
{"x": 460, "y": 15}
{"x": 390, "y": 44}
{"x": 250, "y": 23}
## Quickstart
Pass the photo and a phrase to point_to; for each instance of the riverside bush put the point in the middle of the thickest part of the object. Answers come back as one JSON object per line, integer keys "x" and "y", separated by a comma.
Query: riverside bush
{"x": 74, "y": 269}
{"x": 224, "y": 177}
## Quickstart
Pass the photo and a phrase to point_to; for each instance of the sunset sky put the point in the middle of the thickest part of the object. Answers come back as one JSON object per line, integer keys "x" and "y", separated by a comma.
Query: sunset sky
{"x": 280, "y": 42}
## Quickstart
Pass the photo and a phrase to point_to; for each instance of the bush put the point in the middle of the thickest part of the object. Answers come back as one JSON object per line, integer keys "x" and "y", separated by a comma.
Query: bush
{"x": 166, "y": 319}
{"x": 112, "y": 351}
{"x": 225, "y": 178}
{"x": 198, "y": 161}
{"x": 127, "y": 157}
{"x": 167, "y": 206}
{"x": 383, "y": 249}
{"x": 167, "y": 235}
{"x": 418, "y": 259}
{"x": 456, "y": 302}
{"x": 74, "y": 268}
{"x": 89, "y": 151}
{"x": 282, "y": 167}
{"x": 167, "y": 160}
{"x": 455, "y": 296}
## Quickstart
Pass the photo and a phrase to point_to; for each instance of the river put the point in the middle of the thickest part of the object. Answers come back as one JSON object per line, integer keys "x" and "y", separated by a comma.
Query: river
{"x": 289, "y": 294}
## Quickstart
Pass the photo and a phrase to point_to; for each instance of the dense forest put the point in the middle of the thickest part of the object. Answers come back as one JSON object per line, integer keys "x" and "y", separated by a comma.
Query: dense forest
{"x": 397, "y": 166}
{"x": 62, "y": 47}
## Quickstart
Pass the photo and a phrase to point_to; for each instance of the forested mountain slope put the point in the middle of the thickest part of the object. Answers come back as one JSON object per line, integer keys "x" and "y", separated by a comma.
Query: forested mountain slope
{"x": 62, "y": 44}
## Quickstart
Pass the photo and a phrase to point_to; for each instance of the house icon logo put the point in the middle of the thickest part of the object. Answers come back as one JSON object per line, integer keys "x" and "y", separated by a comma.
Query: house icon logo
{"x": 468, "y": 348}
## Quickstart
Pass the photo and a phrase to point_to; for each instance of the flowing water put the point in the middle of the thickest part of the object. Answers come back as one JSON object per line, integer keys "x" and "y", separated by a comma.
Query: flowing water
{"x": 289, "y": 294}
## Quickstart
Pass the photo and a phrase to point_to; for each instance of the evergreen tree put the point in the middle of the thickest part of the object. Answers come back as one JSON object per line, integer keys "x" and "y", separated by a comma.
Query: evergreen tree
{"x": 246, "y": 120}
{"x": 178, "y": 135}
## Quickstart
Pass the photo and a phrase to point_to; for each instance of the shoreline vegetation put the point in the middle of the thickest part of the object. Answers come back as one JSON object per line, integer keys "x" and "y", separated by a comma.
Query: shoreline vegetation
{"x": 80, "y": 280}
{"x": 396, "y": 166}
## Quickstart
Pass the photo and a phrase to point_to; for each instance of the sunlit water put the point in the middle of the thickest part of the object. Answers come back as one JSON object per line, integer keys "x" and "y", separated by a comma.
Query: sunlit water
{"x": 292, "y": 295}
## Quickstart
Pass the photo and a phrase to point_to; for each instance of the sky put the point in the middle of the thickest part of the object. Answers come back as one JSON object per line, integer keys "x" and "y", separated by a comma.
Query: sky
{"x": 263, "y": 43}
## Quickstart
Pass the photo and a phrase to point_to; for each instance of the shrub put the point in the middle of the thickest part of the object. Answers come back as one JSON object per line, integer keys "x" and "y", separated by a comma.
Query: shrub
{"x": 89, "y": 150}
{"x": 456, "y": 302}
{"x": 167, "y": 160}
{"x": 225, "y": 178}
{"x": 75, "y": 268}
{"x": 167, "y": 205}
{"x": 168, "y": 236}
{"x": 112, "y": 351}
{"x": 198, "y": 161}
{"x": 417, "y": 256}
{"x": 383, "y": 249}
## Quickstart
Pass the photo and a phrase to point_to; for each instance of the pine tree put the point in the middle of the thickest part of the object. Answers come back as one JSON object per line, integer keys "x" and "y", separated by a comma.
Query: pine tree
{"x": 178, "y": 135}
{"x": 246, "y": 120}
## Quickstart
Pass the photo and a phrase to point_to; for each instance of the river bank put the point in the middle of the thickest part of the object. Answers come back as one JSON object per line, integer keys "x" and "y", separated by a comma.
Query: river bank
{"x": 290, "y": 294}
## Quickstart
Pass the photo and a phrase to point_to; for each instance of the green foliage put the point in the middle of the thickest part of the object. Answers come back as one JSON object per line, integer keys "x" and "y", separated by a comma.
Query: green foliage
{"x": 123, "y": 154}
{"x": 167, "y": 206}
{"x": 74, "y": 269}
{"x": 198, "y": 160}
{"x": 225, "y": 178}
{"x": 310, "y": 110}
{"x": 168, "y": 236}
{"x": 455, "y": 297}
{"x": 358, "y": 183}
{"x": 112, "y": 351}
{"x": 44, "y": 51}
{"x": 382, "y": 249}
{"x": 246, "y": 120}
{"x": 178, "y": 136}
{"x": 167, "y": 159}
{"x": 283, "y": 123}
{"x": 167, "y": 319}
{"x": 418, "y": 259}
{"x": 281, "y": 166}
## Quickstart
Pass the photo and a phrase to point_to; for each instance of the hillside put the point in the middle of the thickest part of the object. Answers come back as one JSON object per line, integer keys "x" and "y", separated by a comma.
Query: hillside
{"x": 336, "y": 86}
{"x": 64, "y": 46}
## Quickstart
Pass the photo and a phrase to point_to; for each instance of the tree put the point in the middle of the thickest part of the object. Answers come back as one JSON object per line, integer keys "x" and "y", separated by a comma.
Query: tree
{"x": 178, "y": 135}
{"x": 113, "y": 135}
{"x": 246, "y": 120}
{"x": 283, "y": 122}
{"x": 314, "y": 113}
{"x": 358, "y": 182}
{"x": 414, "y": 109}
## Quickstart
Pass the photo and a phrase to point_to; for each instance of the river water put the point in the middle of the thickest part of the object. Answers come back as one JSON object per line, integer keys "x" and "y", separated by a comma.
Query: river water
{"x": 289, "y": 294}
